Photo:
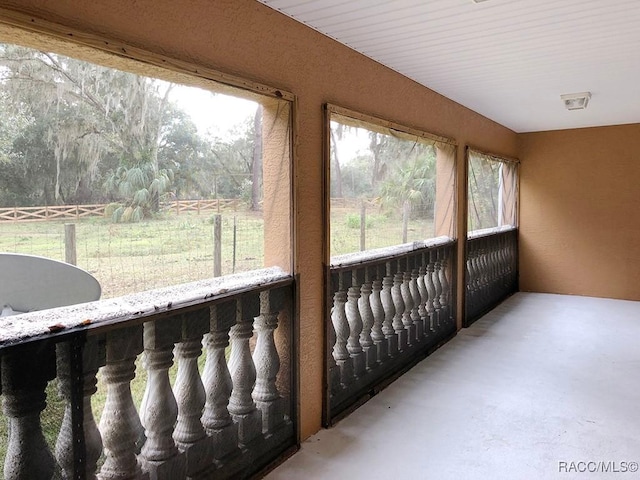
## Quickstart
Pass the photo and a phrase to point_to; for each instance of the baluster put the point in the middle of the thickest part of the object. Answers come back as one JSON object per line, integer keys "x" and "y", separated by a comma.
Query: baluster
{"x": 355, "y": 326}
{"x": 86, "y": 358}
{"x": 159, "y": 409}
{"x": 267, "y": 362}
{"x": 341, "y": 327}
{"x": 189, "y": 434}
{"x": 424, "y": 299}
{"x": 217, "y": 383}
{"x": 334, "y": 370}
{"x": 377, "y": 310}
{"x": 497, "y": 264}
{"x": 120, "y": 424}
{"x": 243, "y": 372}
{"x": 366, "y": 313}
{"x": 444, "y": 283}
{"x": 407, "y": 321}
{"x": 475, "y": 274}
{"x": 470, "y": 282}
{"x": 437, "y": 306}
{"x": 477, "y": 281}
{"x": 488, "y": 272}
{"x": 418, "y": 324}
{"x": 482, "y": 266}
{"x": 495, "y": 267}
{"x": 513, "y": 260}
{"x": 386, "y": 297}
{"x": 405, "y": 292}
{"x": 24, "y": 378}
{"x": 504, "y": 266}
{"x": 431, "y": 291}
{"x": 398, "y": 303}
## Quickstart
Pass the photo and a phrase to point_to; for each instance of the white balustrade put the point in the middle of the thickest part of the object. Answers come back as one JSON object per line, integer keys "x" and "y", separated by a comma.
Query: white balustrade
{"x": 398, "y": 303}
{"x": 355, "y": 328}
{"x": 386, "y": 297}
{"x": 267, "y": 362}
{"x": 418, "y": 323}
{"x": 23, "y": 387}
{"x": 407, "y": 299}
{"x": 120, "y": 424}
{"x": 366, "y": 313}
{"x": 77, "y": 365}
{"x": 225, "y": 423}
{"x": 243, "y": 373}
{"x": 377, "y": 310}
{"x": 342, "y": 329}
{"x": 189, "y": 434}
{"x": 218, "y": 385}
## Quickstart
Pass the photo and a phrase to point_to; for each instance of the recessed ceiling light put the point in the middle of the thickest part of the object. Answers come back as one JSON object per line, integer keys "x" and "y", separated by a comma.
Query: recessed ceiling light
{"x": 576, "y": 101}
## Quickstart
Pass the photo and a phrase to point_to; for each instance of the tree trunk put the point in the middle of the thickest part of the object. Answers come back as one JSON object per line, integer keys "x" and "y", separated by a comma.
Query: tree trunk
{"x": 256, "y": 164}
{"x": 336, "y": 172}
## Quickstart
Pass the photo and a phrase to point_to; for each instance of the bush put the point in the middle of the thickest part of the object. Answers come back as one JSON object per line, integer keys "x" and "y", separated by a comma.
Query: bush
{"x": 353, "y": 220}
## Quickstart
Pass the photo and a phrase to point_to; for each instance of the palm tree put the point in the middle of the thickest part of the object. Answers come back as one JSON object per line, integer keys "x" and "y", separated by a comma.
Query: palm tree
{"x": 142, "y": 187}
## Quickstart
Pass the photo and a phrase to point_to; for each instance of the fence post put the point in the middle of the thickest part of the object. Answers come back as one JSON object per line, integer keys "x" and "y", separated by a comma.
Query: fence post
{"x": 70, "y": 243}
{"x": 406, "y": 208}
{"x": 363, "y": 225}
{"x": 217, "y": 245}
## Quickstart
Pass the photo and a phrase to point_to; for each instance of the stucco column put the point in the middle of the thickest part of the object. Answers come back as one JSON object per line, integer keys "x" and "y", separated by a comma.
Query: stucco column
{"x": 276, "y": 175}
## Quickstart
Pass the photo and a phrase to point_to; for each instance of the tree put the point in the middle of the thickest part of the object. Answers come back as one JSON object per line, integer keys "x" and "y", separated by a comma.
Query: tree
{"x": 407, "y": 174}
{"x": 86, "y": 122}
{"x": 75, "y": 132}
{"x": 256, "y": 163}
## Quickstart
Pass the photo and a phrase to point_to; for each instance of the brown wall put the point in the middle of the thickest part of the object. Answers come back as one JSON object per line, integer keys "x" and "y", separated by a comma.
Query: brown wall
{"x": 248, "y": 39}
{"x": 580, "y": 212}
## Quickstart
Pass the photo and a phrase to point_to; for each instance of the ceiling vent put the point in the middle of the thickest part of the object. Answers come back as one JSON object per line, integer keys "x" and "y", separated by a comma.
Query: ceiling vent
{"x": 576, "y": 101}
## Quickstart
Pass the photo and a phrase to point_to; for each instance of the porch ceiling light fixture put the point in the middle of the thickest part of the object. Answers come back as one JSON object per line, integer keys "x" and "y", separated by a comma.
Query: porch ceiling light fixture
{"x": 576, "y": 101}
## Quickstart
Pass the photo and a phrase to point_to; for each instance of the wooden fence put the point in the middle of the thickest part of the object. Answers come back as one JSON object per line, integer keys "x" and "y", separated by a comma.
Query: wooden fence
{"x": 61, "y": 212}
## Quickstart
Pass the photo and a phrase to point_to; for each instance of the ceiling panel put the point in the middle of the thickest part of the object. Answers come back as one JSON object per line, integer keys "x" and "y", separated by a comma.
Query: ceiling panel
{"x": 509, "y": 60}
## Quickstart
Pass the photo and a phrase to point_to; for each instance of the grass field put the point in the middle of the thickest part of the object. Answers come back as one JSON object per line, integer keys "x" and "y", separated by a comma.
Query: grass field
{"x": 175, "y": 249}
{"x": 133, "y": 257}
{"x": 381, "y": 230}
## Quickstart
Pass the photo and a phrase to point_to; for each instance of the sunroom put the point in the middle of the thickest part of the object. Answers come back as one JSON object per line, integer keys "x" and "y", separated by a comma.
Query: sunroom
{"x": 512, "y": 270}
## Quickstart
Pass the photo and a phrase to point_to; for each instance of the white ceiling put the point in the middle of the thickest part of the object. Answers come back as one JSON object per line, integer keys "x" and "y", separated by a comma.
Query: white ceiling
{"x": 509, "y": 60}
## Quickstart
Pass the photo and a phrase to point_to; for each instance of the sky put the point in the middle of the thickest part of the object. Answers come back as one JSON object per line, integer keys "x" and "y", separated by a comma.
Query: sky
{"x": 214, "y": 114}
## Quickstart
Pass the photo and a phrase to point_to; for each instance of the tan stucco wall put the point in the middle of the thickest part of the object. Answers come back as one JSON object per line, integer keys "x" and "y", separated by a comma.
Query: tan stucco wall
{"x": 248, "y": 39}
{"x": 580, "y": 212}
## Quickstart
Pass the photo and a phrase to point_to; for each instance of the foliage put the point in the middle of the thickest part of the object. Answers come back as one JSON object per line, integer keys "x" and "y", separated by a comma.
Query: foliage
{"x": 394, "y": 169}
{"x": 413, "y": 181}
{"x": 353, "y": 220}
{"x": 72, "y": 132}
{"x": 141, "y": 188}
{"x": 484, "y": 185}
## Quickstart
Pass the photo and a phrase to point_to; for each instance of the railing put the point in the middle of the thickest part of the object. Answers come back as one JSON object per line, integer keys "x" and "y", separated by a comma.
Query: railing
{"x": 228, "y": 421}
{"x": 217, "y": 204}
{"x": 59, "y": 212}
{"x": 388, "y": 308}
{"x": 491, "y": 269}
{"x": 24, "y": 214}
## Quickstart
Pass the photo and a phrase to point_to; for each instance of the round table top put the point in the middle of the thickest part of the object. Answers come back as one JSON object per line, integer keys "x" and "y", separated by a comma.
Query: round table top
{"x": 29, "y": 283}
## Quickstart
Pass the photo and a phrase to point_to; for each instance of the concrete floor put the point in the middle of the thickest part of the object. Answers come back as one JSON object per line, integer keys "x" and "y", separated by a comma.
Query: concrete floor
{"x": 541, "y": 380}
